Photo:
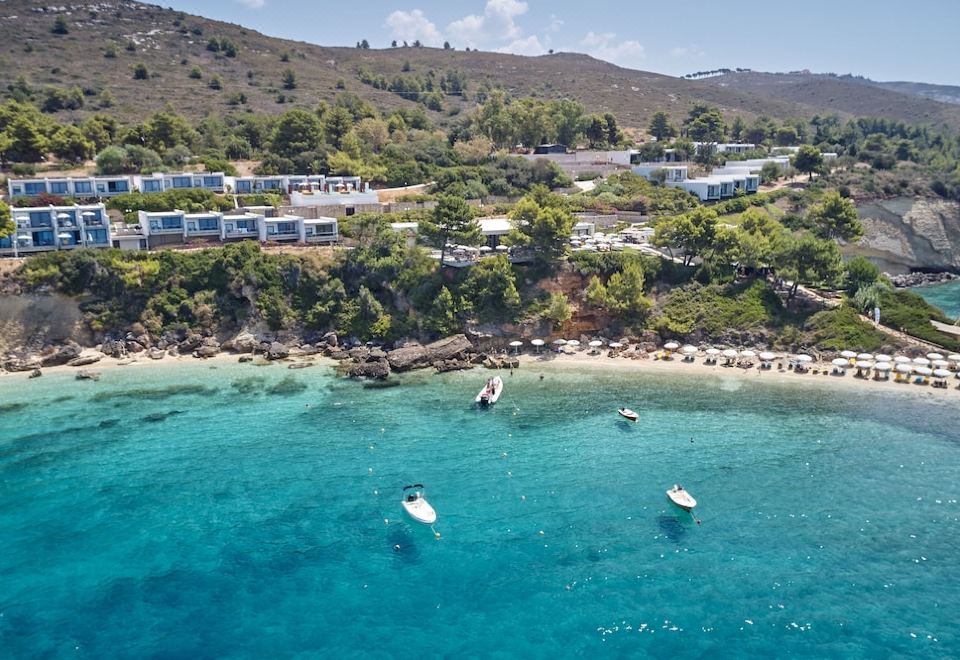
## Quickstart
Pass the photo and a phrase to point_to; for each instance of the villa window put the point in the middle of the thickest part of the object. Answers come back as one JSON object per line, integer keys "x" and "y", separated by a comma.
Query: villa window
{"x": 58, "y": 187}
{"x": 97, "y": 236}
{"x": 209, "y": 224}
{"x": 152, "y": 186}
{"x": 229, "y": 227}
{"x": 34, "y": 188}
{"x": 182, "y": 182}
{"x": 212, "y": 182}
{"x": 171, "y": 223}
{"x": 191, "y": 226}
{"x": 83, "y": 187}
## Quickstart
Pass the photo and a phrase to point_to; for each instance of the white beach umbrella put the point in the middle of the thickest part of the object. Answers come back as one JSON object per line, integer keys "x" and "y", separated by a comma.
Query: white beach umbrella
{"x": 615, "y": 344}
{"x": 934, "y": 356}
{"x": 840, "y": 362}
{"x": 596, "y": 343}
{"x": 516, "y": 344}
{"x": 864, "y": 364}
{"x": 689, "y": 350}
{"x": 904, "y": 368}
{"x": 848, "y": 354}
{"x": 502, "y": 248}
{"x": 537, "y": 343}
{"x": 865, "y": 356}
{"x": 901, "y": 359}
{"x": 803, "y": 357}
{"x": 766, "y": 356}
{"x": 954, "y": 357}
{"x": 64, "y": 216}
{"x": 940, "y": 364}
{"x": 573, "y": 342}
{"x": 941, "y": 373}
{"x": 559, "y": 342}
{"x": 64, "y": 236}
{"x": 671, "y": 346}
{"x": 712, "y": 352}
{"x": 880, "y": 357}
{"x": 923, "y": 362}
{"x": 923, "y": 371}
{"x": 88, "y": 214}
{"x": 747, "y": 354}
{"x": 882, "y": 366}
{"x": 486, "y": 248}
{"x": 730, "y": 353}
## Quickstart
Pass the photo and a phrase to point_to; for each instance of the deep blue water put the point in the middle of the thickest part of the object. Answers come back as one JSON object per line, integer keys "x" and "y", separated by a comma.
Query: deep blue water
{"x": 946, "y": 296}
{"x": 187, "y": 512}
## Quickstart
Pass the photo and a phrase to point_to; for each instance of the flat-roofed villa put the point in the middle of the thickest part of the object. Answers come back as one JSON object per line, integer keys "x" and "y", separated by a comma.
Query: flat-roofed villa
{"x": 39, "y": 229}
{"x": 86, "y": 186}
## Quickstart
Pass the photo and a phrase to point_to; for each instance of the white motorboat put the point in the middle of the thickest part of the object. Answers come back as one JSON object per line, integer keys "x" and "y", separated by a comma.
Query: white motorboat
{"x": 629, "y": 414}
{"x": 491, "y": 392}
{"x": 681, "y": 498}
{"x": 416, "y": 505}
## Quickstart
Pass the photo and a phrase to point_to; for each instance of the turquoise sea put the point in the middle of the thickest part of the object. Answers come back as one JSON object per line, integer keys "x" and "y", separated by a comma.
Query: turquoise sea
{"x": 946, "y": 296}
{"x": 245, "y": 511}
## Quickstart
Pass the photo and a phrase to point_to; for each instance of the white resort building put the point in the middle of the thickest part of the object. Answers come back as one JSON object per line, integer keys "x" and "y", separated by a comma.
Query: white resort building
{"x": 40, "y": 229}
{"x": 167, "y": 228}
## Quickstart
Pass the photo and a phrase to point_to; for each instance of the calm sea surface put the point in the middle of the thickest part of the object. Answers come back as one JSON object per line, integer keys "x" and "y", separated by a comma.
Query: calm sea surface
{"x": 254, "y": 512}
{"x": 945, "y": 296}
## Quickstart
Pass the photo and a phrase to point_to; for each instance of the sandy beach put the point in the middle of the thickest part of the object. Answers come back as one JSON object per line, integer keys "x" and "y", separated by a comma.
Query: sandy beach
{"x": 583, "y": 360}
{"x": 549, "y": 360}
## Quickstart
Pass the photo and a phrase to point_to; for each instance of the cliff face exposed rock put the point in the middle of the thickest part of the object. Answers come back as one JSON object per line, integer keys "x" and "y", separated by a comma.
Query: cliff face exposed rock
{"x": 33, "y": 321}
{"x": 906, "y": 233}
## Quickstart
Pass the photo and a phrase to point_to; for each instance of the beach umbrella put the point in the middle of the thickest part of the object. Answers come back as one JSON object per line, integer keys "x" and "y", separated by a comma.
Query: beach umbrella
{"x": 954, "y": 357}
{"x": 671, "y": 346}
{"x": 766, "y": 356}
{"x": 940, "y": 364}
{"x": 689, "y": 350}
{"x": 502, "y": 248}
{"x": 747, "y": 354}
{"x": 924, "y": 371}
{"x": 880, "y": 357}
{"x": 865, "y": 356}
{"x": 486, "y": 248}
{"x": 730, "y": 353}
{"x": 615, "y": 344}
{"x": 88, "y": 214}
{"x": 712, "y": 351}
{"x": 848, "y": 354}
{"x": 840, "y": 362}
{"x": 596, "y": 343}
{"x": 559, "y": 342}
{"x": 901, "y": 359}
{"x": 921, "y": 361}
{"x": 64, "y": 236}
{"x": 941, "y": 373}
{"x": 864, "y": 364}
{"x": 803, "y": 357}
{"x": 516, "y": 345}
{"x": 573, "y": 342}
{"x": 537, "y": 342}
{"x": 934, "y": 356}
{"x": 904, "y": 368}
{"x": 882, "y": 366}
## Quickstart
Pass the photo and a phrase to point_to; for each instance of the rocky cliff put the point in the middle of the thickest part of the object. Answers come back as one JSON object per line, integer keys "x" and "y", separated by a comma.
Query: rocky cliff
{"x": 904, "y": 233}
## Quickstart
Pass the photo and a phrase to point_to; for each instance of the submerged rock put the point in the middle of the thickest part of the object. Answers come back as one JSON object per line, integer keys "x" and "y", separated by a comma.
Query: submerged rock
{"x": 84, "y": 360}
{"x": 86, "y": 374}
{"x": 289, "y": 385}
{"x": 379, "y": 370}
{"x": 36, "y": 373}
{"x": 245, "y": 358}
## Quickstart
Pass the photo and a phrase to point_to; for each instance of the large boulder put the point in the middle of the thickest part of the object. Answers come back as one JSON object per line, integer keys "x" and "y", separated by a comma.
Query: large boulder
{"x": 22, "y": 364}
{"x": 206, "y": 351}
{"x": 134, "y": 346}
{"x": 359, "y": 354}
{"x": 192, "y": 341}
{"x": 62, "y": 356}
{"x": 331, "y": 339}
{"x": 86, "y": 374}
{"x": 155, "y": 354}
{"x": 278, "y": 351}
{"x": 84, "y": 360}
{"x": 114, "y": 348}
{"x": 378, "y": 370}
{"x": 411, "y": 357}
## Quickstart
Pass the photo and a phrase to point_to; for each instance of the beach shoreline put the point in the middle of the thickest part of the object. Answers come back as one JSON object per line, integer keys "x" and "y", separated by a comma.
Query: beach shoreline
{"x": 550, "y": 361}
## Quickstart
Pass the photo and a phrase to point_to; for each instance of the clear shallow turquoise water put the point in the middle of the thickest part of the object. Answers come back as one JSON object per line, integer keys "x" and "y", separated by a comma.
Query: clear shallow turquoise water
{"x": 945, "y": 296}
{"x": 236, "y": 523}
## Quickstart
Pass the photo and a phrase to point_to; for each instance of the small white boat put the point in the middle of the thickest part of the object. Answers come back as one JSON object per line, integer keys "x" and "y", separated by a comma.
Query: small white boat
{"x": 629, "y": 414}
{"x": 416, "y": 505}
{"x": 681, "y": 498}
{"x": 490, "y": 392}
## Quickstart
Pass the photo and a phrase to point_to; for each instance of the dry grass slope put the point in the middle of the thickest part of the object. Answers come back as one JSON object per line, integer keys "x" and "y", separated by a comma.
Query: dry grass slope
{"x": 171, "y": 43}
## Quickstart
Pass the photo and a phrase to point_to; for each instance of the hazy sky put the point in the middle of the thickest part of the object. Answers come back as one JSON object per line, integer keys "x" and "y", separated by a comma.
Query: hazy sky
{"x": 881, "y": 39}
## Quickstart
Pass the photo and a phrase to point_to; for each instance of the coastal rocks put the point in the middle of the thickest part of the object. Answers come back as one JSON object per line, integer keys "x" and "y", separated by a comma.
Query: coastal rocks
{"x": 114, "y": 348}
{"x": 62, "y": 356}
{"x": 134, "y": 346}
{"x": 86, "y": 374}
{"x": 359, "y": 354}
{"x": 155, "y": 354}
{"x": 378, "y": 370}
{"x": 330, "y": 339}
{"x": 245, "y": 358}
{"x": 501, "y": 362}
{"x": 22, "y": 364}
{"x": 278, "y": 351}
{"x": 442, "y": 366}
{"x": 301, "y": 365}
{"x": 921, "y": 279}
{"x": 204, "y": 352}
{"x": 410, "y": 357}
{"x": 36, "y": 373}
{"x": 84, "y": 361}
{"x": 191, "y": 343}
{"x": 242, "y": 343}
{"x": 339, "y": 355}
